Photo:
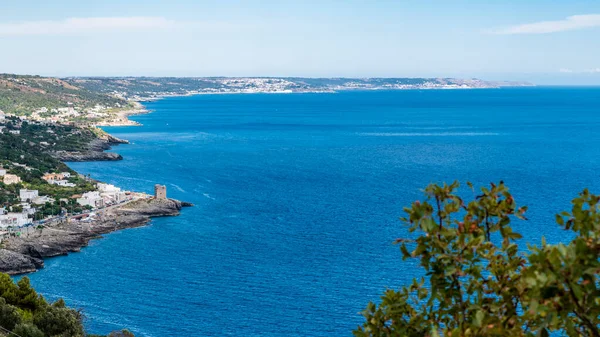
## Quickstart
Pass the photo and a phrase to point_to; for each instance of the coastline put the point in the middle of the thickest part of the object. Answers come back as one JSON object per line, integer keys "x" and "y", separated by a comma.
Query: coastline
{"x": 25, "y": 252}
{"x": 122, "y": 117}
{"x": 140, "y": 109}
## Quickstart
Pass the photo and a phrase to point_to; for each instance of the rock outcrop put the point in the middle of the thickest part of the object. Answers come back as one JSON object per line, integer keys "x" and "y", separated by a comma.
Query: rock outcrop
{"x": 17, "y": 263}
{"x": 94, "y": 152}
{"x": 87, "y": 156}
{"x": 24, "y": 254}
{"x": 151, "y": 207}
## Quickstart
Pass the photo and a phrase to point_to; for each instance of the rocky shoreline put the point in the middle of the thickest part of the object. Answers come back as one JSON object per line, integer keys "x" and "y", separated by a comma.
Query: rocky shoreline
{"x": 26, "y": 253}
{"x": 94, "y": 152}
{"x": 20, "y": 255}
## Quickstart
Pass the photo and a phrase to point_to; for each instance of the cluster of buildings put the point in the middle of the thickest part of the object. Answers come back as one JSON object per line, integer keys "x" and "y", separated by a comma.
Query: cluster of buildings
{"x": 33, "y": 197}
{"x": 67, "y": 114}
{"x": 14, "y": 128}
{"x": 13, "y": 219}
{"x": 58, "y": 179}
{"x": 106, "y": 195}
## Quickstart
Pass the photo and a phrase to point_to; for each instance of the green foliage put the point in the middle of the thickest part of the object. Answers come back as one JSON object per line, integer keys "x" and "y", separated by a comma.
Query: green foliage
{"x": 122, "y": 333}
{"x": 25, "y": 149}
{"x": 26, "y": 313}
{"x": 28, "y": 330}
{"x": 59, "y": 321}
{"x": 9, "y": 315}
{"x": 21, "y": 94}
{"x": 478, "y": 283}
{"x": 26, "y": 296}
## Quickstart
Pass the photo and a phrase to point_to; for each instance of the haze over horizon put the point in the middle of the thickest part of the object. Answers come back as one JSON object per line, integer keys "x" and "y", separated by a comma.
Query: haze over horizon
{"x": 539, "y": 41}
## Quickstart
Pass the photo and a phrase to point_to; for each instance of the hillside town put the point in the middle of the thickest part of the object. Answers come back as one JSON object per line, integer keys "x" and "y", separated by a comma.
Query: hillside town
{"x": 37, "y": 190}
{"x": 132, "y": 89}
{"x": 27, "y": 209}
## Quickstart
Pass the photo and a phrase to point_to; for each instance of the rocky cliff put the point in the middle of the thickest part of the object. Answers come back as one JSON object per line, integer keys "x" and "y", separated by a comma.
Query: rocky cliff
{"x": 94, "y": 151}
{"x": 25, "y": 254}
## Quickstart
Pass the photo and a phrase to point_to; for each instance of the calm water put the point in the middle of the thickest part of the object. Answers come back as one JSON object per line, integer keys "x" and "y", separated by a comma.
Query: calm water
{"x": 297, "y": 199}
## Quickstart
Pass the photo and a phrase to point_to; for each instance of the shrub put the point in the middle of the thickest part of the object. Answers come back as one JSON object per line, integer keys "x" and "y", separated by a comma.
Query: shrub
{"x": 479, "y": 283}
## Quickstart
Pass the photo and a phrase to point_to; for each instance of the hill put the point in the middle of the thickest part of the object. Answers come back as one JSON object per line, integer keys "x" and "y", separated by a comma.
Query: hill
{"x": 23, "y": 94}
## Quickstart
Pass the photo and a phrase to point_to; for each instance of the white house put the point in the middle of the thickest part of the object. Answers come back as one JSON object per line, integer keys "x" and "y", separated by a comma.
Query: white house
{"x": 15, "y": 132}
{"x": 25, "y": 194}
{"x": 61, "y": 183}
{"x": 13, "y": 220}
{"x": 92, "y": 199}
{"x": 2, "y": 172}
{"x": 66, "y": 174}
{"x": 41, "y": 200}
{"x": 11, "y": 179}
{"x": 111, "y": 193}
{"x": 28, "y": 209}
{"x": 107, "y": 188}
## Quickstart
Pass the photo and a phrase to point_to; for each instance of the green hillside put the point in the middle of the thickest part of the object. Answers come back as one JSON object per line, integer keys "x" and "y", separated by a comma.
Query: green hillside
{"x": 23, "y": 94}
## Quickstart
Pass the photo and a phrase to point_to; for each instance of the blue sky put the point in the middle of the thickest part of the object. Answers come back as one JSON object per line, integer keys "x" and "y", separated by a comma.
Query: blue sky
{"x": 546, "y": 42}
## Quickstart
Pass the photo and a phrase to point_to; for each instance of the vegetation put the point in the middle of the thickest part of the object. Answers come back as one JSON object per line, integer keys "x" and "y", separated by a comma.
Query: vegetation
{"x": 22, "y": 94}
{"x": 27, "y": 314}
{"x": 30, "y": 155}
{"x": 478, "y": 282}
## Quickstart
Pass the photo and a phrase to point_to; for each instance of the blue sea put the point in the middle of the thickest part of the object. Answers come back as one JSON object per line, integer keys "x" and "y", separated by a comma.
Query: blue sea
{"x": 297, "y": 199}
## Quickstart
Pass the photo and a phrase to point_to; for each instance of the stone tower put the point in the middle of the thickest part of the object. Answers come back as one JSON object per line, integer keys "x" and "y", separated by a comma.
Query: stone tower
{"x": 160, "y": 191}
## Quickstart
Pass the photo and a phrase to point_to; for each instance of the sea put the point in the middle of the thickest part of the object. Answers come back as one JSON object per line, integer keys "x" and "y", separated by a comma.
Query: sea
{"x": 297, "y": 199}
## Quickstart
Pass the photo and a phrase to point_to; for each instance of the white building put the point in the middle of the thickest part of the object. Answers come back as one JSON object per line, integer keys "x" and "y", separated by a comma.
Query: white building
{"x": 13, "y": 220}
{"x": 111, "y": 193}
{"x": 15, "y": 132}
{"x": 41, "y": 200}
{"x": 61, "y": 183}
{"x": 2, "y": 172}
{"x": 66, "y": 174}
{"x": 92, "y": 199}
{"x": 11, "y": 179}
{"x": 107, "y": 188}
{"x": 28, "y": 209}
{"x": 25, "y": 194}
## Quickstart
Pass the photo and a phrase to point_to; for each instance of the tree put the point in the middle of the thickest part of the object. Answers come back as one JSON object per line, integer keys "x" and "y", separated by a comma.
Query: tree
{"x": 479, "y": 283}
{"x": 27, "y": 330}
{"x": 9, "y": 315}
{"x": 57, "y": 320}
{"x": 122, "y": 333}
{"x": 28, "y": 298}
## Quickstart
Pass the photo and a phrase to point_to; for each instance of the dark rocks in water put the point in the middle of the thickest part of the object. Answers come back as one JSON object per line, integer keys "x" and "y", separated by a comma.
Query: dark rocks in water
{"x": 186, "y": 204}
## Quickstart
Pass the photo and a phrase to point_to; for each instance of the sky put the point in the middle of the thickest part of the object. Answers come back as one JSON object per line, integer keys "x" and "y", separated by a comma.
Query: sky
{"x": 544, "y": 42}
